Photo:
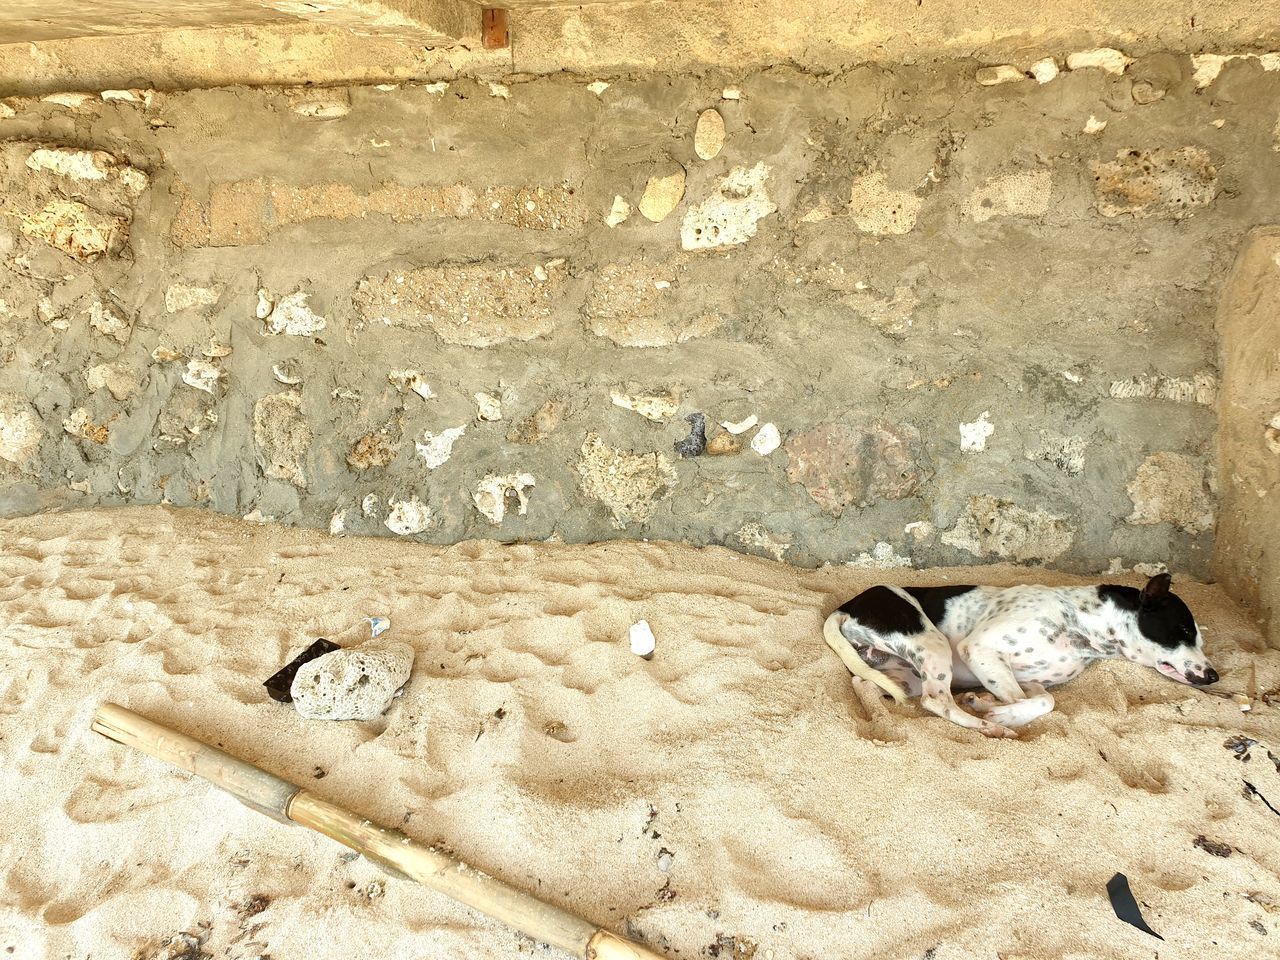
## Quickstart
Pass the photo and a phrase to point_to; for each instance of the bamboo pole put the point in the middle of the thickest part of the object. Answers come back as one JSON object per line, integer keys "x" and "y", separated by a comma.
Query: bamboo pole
{"x": 286, "y": 801}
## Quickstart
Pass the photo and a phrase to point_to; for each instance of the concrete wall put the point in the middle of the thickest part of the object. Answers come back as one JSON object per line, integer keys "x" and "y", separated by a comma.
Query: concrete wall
{"x": 980, "y": 318}
{"x": 1248, "y": 559}
{"x": 160, "y": 47}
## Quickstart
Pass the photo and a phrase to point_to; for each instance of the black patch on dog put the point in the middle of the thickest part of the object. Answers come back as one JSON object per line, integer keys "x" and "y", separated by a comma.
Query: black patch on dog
{"x": 882, "y": 610}
{"x": 933, "y": 600}
{"x": 1163, "y": 619}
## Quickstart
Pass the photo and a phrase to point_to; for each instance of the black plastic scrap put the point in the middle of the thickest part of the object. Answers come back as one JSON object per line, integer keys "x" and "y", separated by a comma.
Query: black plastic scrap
{"x": 281, "y": 681}
{"x": 696, "y": 441}
{"x": 1125, "y": 906}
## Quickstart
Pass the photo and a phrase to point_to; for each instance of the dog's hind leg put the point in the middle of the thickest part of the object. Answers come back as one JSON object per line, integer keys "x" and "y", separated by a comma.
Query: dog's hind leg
{"x": 929, "y": 653}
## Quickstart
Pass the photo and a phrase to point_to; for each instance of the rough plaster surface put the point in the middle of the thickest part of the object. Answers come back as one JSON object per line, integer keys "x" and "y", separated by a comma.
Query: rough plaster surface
{"x": 1248, "y": 557}
{"x": 294, "y": 309}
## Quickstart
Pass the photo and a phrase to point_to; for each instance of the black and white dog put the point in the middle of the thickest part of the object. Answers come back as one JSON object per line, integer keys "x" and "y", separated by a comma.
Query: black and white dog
{"x": 1013, "y": 641}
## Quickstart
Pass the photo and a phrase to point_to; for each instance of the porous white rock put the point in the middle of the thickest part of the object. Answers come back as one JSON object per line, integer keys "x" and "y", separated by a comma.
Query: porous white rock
{"x": 729, "y": 216}
{"x": 406, "y": 517}
{"x": 411, "y": 380}
{"x": 492, "y": 492}
{"x": 973, "y": 436}
{"x": 202, "y": 375}
{"x": 488, "y": 407}
{"x": 437, "y": 448}
{"x": 356, "y": 684}
{"x": 291, "y": 315}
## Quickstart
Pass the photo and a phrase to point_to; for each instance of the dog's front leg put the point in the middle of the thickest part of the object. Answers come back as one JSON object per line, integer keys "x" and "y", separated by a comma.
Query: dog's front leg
{"x": 1039, "y": 701}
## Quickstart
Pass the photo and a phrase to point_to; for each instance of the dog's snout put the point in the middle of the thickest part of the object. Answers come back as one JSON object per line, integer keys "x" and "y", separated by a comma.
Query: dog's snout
{"x": 1203, "y": 680}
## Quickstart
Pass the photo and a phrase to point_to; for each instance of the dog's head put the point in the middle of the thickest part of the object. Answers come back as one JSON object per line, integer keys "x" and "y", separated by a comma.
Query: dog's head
{"x": 1166, "y": 636}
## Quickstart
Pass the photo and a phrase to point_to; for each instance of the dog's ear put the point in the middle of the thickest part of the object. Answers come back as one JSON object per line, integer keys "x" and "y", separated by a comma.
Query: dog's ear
{"x": 1157, "y": 589}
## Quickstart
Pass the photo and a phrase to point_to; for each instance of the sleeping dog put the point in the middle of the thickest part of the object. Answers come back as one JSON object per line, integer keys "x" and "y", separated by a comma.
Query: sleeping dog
{"x": 1013, "y": 641}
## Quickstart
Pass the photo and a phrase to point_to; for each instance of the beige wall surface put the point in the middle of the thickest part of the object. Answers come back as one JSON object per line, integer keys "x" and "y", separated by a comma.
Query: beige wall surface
{"x": 1248, "y": 558}
{"x": 207, "y": 44}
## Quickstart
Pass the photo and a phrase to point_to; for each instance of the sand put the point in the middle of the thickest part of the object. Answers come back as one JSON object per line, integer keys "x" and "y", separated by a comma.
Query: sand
{"x": 797, "y": 817}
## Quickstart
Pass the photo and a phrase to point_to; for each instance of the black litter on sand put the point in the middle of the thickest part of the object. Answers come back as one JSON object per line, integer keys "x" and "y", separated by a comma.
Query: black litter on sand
{"x": 281, "y": 681}
{"x": 1125, "y": 906}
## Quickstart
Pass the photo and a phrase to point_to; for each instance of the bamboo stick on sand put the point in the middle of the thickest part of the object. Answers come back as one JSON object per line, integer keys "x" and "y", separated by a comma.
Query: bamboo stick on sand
{"x": 286, "y": 801}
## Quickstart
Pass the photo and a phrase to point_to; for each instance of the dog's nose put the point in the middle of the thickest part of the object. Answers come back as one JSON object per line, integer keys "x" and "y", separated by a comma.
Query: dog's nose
{"x": 1209, "y": 676}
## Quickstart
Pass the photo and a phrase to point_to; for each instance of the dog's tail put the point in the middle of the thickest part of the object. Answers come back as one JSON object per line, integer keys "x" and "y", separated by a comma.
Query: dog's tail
{"x": 855, "y": 664}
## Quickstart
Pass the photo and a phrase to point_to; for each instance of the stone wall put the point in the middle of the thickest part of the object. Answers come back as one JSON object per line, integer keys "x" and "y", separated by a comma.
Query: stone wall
{"x": 947, "y": 314}
{"x": 1248, "y": 556}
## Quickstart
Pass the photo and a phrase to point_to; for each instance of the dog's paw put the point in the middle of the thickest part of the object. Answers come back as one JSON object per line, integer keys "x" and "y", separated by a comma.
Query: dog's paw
{"x": 978, "y": 702}
{"x": 997, "y": 732}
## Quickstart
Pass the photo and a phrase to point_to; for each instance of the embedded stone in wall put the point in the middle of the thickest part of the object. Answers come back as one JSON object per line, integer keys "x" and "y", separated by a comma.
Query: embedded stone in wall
{"x": 436, "y": 448}
{"x": 842, "y": 466}
{"x": 630, "y": 485}
{"x": 996, "y": 527}
{"x": 20, "y": 432}
{"x": 371, "y": 451}
{"x": 1171, "y": 488}
{"x": 184, "y": 418}
{"x": 473, "y": 305}
{"x": 407, "y": 517}
{"x": 1155, "y": 183}
{"x": 492, "y": 493}
{"x": 319, "y": 103}
{"x": 708, "y": 134}
{"x": 756, "y": 535}
{"x": 120, "y": 381}
{"x": 182, "y": 296}
{"x": 76, "y": 229}
{"x": 994, "y": 76}
{"x": 77, "y": 201}
{"x": 1024, "y": 194}
{"x": 282, "y": 436}
{"x": 1102, "y": 58}
{"x": 1065, "y": 453}
{"x": 662, "y": 194}
{"x": 289, "y": 315}
{"x": 541, "y": 424}
{"x": 877, "y": 209}
{"x": 80, "y": 424}
{"x": 109, "y": 322}
{"x": 658, "y": 407}
{"x": 633, "y": 303}
{"x": 87, "y": 165}
{"x": 249, "y": 211}
{"x": 729, "y": 216}
{"x": 1202, "y": 388}
{"x": 202, "y": 375}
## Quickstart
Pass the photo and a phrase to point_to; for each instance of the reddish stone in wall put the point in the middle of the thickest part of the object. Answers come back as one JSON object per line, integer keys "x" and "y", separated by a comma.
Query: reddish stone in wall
{"x": 843, "y": 466}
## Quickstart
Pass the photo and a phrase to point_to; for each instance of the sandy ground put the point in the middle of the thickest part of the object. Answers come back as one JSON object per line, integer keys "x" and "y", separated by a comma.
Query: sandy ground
{"x": 799, "y": 818}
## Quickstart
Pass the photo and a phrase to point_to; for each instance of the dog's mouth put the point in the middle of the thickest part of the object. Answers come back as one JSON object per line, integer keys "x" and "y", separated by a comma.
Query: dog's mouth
{"x": 1169, "y": 670}
{"x": 1209, "y": 676}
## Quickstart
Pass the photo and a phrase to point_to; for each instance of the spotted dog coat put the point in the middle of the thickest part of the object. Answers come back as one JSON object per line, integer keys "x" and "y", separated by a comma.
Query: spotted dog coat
{"x": 1013, "y": 641}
